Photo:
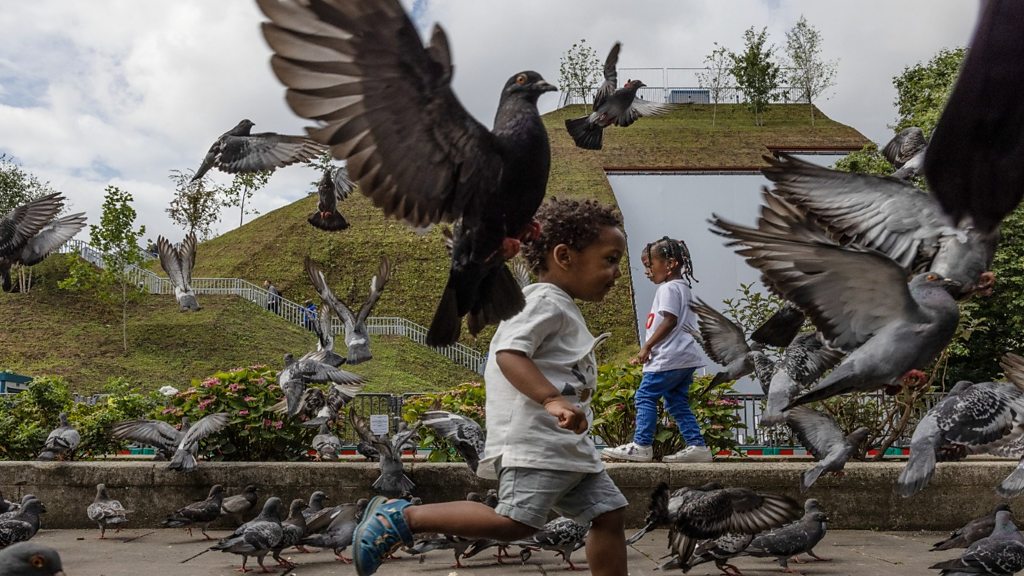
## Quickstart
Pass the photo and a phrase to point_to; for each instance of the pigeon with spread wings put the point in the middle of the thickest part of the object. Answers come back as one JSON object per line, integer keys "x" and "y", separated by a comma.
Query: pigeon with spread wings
{"x": 178, "y": 261}
{"x": 183, "y": 444}
{"x": 357, "y": 338}
{"x": 906, "y": 152}
{"x": 392, "y": 482}
{"x": 237, "y": 150}
{"x": 334, "y": 186}
{"x": 416, "y": 151}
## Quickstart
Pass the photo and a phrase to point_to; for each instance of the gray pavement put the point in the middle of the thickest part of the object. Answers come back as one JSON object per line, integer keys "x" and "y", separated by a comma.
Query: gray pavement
{"x": 160, "y": 552}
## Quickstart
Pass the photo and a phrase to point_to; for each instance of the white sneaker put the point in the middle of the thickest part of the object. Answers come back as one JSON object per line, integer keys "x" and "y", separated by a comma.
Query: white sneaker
{"x": 690, "y": 454}
{"x": 632, "y": 452}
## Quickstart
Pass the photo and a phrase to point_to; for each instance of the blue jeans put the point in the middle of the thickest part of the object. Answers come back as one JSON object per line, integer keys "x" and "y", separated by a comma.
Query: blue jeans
{"x": 674, "y": 387}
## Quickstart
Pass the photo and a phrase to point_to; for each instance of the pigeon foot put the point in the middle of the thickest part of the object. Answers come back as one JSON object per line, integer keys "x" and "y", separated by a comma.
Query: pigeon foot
{"x": 343, "y": 559}
{"x": 818, "y": 558}
{"x": 510, "y": 247}
{"x": 730, "y": 570}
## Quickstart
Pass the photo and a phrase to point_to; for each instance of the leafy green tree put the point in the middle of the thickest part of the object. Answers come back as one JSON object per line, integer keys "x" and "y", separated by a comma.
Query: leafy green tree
{"x": 757, "y": 75}
{"x": 196, "y": 205}
{"x": 241, "y": 189}
{"x": 867, "y": 160}
{"x": 717, "y": 77}
{"x": 118, "y": 242}
{"x": 579, "y": 71}
{"x": 922, "y": 90}
{"x": 807, "y": 73}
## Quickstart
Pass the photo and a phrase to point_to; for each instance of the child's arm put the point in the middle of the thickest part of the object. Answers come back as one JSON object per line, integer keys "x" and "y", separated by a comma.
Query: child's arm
{"x": 528, "y": 379}
{"x": 668, "y": 323}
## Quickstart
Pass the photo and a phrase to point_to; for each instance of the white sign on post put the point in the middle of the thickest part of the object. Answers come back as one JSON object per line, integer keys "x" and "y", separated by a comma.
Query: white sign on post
{"x": 379, "y": 424}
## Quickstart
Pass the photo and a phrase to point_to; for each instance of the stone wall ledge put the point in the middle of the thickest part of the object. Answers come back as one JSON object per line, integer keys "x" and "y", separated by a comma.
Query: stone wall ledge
{"x": 863, "y": 499}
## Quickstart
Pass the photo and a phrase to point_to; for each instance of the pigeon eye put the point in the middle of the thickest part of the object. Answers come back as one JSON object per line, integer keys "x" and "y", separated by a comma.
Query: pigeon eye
{"x": 521, "y": 79}
{"x": 932, "y": 277}
{"x": 37, "y": 561}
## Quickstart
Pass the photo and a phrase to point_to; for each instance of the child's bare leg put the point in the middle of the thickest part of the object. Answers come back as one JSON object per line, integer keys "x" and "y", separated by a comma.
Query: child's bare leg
{"x": 606, "y": 545}
{"x": 468, "y": 519}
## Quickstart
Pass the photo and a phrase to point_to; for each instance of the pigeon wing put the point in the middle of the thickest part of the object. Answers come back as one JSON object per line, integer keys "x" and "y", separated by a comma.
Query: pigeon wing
{"x": 641, "y": 107}
{"x": 51, "y": 237}
{"x": 171, "y": 262}
{"x": 377, "y": 284}
{"x": 904, "y": 146}
{"x": 723, "y": 340}
{"x": 319, "y": 281}
{"x": 150, "y": 432}
{"x": 383, "y": 102}
{"x": 265, "y": 151}
{"x": 817, "y": 431}
{"x": 611, "y": 77}
{"x": 207, "y": 425}
{"x": 463, "y": 432}
{"x": 187, "y": 257}
{"x": 25, "y": 221}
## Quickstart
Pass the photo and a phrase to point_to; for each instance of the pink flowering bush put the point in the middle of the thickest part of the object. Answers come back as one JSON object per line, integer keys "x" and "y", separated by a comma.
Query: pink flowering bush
{"x": 255, "y": 432}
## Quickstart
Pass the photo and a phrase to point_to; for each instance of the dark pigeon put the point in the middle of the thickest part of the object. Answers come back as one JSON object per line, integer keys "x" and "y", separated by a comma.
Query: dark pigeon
{"x": 20, "y": 225}
{"x": 16, "y": 507}
{"x": 720, "y": 551}
{"x": 612, "y": 105}
{"x": 416, "y": 152}
{"x": 338, "y": 395}
{"x": 1001, "y": 553}
{"x": 803, "y": 362}
{"x": 392, "y": 482}
{"x": 182, "y": 444}
{"x": 824, "y": 439}
{"x": 257, "y": 537}
{"x": 357, "y": 338}
{"x": 906, "y": 152}
{"x": 23, "y": 525}
{"x": 781, "y": 327}
{"x": 972, "y": 531}
{"x": 562, "y": 535}
{"x": 239, "y": 505}
{"x": 464, "y": 434}
{"x": 239, "y": 151}
{"x": 177, "y": 262}
{"x": 30, "y": 559}
{"x": 105, "y": 511}
{"x": 334, "y": 186}
{"x": 338, "y": 534}
{"x": 293, "y": 529}
{"x": 326, "y": 443}
{"x": 200, "y": 513}
{"x": 62, "y": 441}
{"x": 800, "y": 537}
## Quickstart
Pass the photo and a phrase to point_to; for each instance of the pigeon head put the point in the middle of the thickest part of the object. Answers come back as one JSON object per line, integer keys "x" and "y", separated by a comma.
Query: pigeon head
{"x": 249, "y": 489}
{"x": 216, "y": 490}
{"x": 289, "y": 359}
{"x": 272, "y": 508}
{"x": 927, "y": 283}
{"x": 242, "y": 128}
{"x": 317, "y": 498}
{"x": 296, "y": 507}
{"x": 527, "y": 84}
{"x": 34, "y": 506}
{"x": 635, "y": 85}
{"x": 101, "y": 490}
{"x": 811, "y": 505}
{"x": 63, "y": 418}
{"x": 858, "y": 436}
{"x": 31, "y": 559}
{"x": 960, "y": 387}
{"x": 1004, "y": 522}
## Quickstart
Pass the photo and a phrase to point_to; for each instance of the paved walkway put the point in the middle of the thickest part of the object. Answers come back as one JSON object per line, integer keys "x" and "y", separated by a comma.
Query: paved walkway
{"x": 160, "y": 552}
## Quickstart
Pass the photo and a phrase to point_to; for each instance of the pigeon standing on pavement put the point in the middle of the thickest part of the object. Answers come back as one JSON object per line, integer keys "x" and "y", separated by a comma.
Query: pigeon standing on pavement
{"x": 338, "y": 534}
{"x": 824, "y": 439}
{"x": 392, "y": 481}
{"x": 799, "y": 537}
{"x": 239, "y": 505}
{"x": 416, "y": 151}
{"x": 30, "y": 559}
{"x": 237, "y": 150}
{"x": 182, "y": 445}
{"x": 177, "y": 262}
{"x": 357, "y": 338}
{"x": 327, "y": 445}
{"x": 719, "y": 550}
{"x": 972, "y": 531}
{"x": 257, "y": 537}
{"x": 1001, "y": 553}
{"x": 334, "y": 186}
{"x": 906, "y": 153}
{"x": 461, "y": 432}
{"x": 200, "y": 513}
{"x": 62, "y": 441}
{"x": 293, "y": 529}
{"x": 561, "y": 535}
{"x": 23, "y": 525}
{"x": 612, "y": 105}
{"x": 105, "y": 511}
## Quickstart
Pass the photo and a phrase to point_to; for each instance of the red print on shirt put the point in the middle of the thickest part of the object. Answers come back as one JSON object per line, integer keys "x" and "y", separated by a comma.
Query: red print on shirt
{"x": 650, "y": 320}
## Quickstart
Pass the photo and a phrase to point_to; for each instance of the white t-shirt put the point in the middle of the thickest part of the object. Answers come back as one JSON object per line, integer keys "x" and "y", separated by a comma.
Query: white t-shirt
{"x": 552, "y": 332}
{"x": 678, "y": 349}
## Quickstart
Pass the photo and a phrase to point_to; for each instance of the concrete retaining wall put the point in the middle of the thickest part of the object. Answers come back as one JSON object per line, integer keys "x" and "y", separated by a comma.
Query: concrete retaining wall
{"x": 862, "y": 499}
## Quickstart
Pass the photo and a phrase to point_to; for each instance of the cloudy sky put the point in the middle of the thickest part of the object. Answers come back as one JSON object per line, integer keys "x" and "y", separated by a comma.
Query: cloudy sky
{"x": 123, "y": 91}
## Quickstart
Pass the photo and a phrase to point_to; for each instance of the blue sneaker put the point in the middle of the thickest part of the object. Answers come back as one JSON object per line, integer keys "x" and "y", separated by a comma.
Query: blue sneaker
{"x": 381, "y": 531}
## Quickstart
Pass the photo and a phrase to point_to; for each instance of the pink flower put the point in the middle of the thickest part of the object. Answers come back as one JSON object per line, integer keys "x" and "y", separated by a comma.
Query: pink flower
{"x": 261, "y": 380}
{"x": 267, "y": 422}
{"x": 235, "y": 387}
{"x": 279, "y": 424}
{"x": 249, "y": 398}
{"x": 243, "y": 412}
{"x": 205, "y": 402}
{"x": 167, "y": 410}
{"x": 210, "y": 382}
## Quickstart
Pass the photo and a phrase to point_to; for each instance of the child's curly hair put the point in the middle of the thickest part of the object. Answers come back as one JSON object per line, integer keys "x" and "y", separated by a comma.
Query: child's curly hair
{"x": 571, "y": 222}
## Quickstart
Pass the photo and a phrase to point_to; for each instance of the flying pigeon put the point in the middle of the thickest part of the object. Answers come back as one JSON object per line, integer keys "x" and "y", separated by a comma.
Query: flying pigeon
{"x": 23, "y": 525}
{"x": 184, "y": 443}
{"x": 293, "y": 529}
{"x": 334, "y": 187}
{"x": 719, "y": 550}
{"x": 298, "y": 373}
{"x": 781, "y": 327}
{"x": 357, "y": 339}
{"x": 30, "y": 559}
{"x": 239, "y": 151}
{"x": 887, "y": 326}
{"x": 799, "y": 537}
{"x": 337, "y": 396}
{"x": 239, "y": 505}
{"x": 326, "y": 444}
{"x": 972, "y": 531}
{"x": 986, "y": 417}
{"x": 323, "y": 327}
{"x": 19, "y": 226}
{"x": 51, "y": 237}
{"x": 804, "y": 361}
{"x": 201, "y": 513}
{"x": 177, "y": 262}
{"x": 392, "y": 482}
{"x": 724, "y": 342}
{"x": 906, "y": 152}
{"x": 416, "y": 152}
{"x": 824, "y": 439}
{"x": 338, "y": 534}
{"x": 612, "y": 105}
{"x": 257, "y": 537}
{"x": 62, "y": 442}
{"x": 561, "y": 535}
{"x": 106, "y": 511}
{"x": 1000, "y": 553}
{"x": 463, "y": 433}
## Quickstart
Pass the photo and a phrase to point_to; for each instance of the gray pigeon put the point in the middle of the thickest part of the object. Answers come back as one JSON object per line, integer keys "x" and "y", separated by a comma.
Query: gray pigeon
{"x": 200, "y": 513}
{"x": 724, "y": 342}
{"x": 326, "y": 444}
{"x": 804, "y": 361}
{"x": 20, "y": 225}
{"x": 23, "y": 525}
{"x": 888, "y": 327}
{"x": 177, "y": 262}
{"x": 323, "y": 327}
{"x": 338, "y": 534}
{"x": 15, "y": 507}
{"x": 51, "y": 237}
{"x": 972, "y": 531}
{"x": 298, "y": 373}
{"x": 986, "y": 417}
{"x": 416, "y": 151}
{"x": 239, "y": 151}
{"x": 5, "y": 504}
{"x": 315, "y": 504}
{"x": 392, "y": 481}
{"x": 612, "y": 105}
{"x": 1001, "y": 553}
{"x": 799, "y": 537}
{"x": 239, "y": 505}
{"x": 906, "y": 153}
{"x": 464, "y": 434}
{"x": 184, "y": 443}
{"x": 293, "y": 529}
{"x": 30, "y": 559}
{"x": 357, "y": 338}
{"x": 824, "y": 439}
{"x": 338, "y": 395}
{"x": 720, "y": 551}
{"x": 334, "y": 187}
{"x": 561, "y": 535}
{"x": 62, "y": 442}
{"x": 105, "y": 511}
{"x": 257, "y": 537}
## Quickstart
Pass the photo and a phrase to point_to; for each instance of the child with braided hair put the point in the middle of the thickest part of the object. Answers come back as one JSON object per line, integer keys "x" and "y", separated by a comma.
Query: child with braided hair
{"x": 669, "y": 355}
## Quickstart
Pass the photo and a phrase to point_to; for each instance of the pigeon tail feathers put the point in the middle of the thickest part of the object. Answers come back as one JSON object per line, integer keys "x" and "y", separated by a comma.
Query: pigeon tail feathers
{"x": 585, "y": 134}
{"x": 1012, "y": 485}
{"x": 916, "y": 473}
{"x": 329, "y": 222}
{"x": 809, "y": 477}
{"x": 183, "y": 460}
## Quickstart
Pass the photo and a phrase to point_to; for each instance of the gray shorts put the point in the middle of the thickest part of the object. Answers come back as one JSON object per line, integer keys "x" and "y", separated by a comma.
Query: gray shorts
{"x": 527, "y": 495}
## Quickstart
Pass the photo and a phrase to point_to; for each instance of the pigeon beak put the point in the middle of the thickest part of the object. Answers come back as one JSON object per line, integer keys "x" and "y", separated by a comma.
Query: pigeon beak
{"x": 952, "y": 286}
{"x": 544, "y": 86}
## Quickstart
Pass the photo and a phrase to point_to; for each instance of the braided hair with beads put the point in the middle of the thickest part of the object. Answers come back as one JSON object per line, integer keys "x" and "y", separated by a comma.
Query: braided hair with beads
{"x": 668, "y": 248}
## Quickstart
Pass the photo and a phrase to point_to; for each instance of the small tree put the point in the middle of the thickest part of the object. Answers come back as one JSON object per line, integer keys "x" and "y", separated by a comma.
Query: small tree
{"x": 578, "y": 72}
{"x": 757, "y": 76}
{"x": 717, "y": 78}
{"x": 241, "y": 189}
{"x": 118, "y": 243}
{"x": 808, "y": 73}
{"x": 196, "y": 205}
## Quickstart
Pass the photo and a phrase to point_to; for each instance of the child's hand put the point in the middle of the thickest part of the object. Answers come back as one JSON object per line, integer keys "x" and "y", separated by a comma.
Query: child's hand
{"x": 569, "y": 416}
{"x": 641, "y": 357}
